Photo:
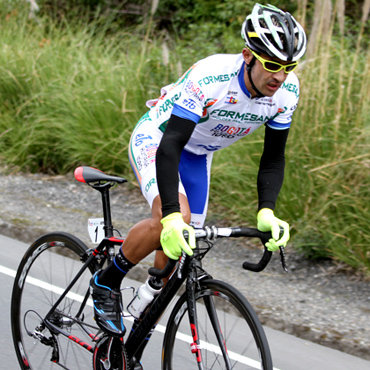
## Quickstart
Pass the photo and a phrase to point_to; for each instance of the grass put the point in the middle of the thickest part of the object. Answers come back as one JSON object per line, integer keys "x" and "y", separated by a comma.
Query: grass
{"x": 70, "y": 94}
{"x": 71, "y": 98}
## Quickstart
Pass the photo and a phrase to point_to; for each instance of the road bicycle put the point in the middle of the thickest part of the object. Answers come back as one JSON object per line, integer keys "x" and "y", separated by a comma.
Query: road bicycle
{"x": 211, "y": 324}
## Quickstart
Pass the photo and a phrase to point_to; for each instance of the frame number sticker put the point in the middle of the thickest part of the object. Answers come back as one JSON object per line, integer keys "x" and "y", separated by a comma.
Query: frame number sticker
{"x": 95, "y": 226}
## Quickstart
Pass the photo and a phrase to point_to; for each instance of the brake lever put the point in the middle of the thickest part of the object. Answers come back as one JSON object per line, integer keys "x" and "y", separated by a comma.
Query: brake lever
{"x": 282, "y": 257}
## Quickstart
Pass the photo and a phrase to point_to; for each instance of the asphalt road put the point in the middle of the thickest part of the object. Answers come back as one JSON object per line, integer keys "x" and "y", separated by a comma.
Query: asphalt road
{"x": 289, "y": 352}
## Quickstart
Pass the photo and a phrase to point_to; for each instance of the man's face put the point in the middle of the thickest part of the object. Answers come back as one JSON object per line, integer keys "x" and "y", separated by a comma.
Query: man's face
{"x": 266, "y": 82}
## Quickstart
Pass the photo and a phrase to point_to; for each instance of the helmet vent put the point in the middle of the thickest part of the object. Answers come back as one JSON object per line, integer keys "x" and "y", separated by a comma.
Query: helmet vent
{"x": 270, "y": 31}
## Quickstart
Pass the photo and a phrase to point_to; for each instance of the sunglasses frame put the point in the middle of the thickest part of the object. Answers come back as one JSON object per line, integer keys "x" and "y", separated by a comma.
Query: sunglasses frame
{"x": 281, "y": 66}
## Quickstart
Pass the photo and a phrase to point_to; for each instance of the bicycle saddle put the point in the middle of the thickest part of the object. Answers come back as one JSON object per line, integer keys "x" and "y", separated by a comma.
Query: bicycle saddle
{"x": 89, "y": 175}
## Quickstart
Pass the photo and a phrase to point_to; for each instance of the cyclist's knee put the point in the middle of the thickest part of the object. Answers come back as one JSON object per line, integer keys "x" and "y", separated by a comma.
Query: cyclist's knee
{"x": 155, "y": 227}
{"x": 157, "y": 210}
{"x": 185, "y": 209}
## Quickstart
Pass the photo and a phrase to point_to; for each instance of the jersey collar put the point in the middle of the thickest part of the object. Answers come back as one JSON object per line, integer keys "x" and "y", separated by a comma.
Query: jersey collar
{"x": 242, "y": 83}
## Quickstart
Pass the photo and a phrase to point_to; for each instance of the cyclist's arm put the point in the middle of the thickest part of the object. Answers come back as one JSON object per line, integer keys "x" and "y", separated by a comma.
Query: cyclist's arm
{"x": 177, "y": 134}
{"x": 271, "y": 171}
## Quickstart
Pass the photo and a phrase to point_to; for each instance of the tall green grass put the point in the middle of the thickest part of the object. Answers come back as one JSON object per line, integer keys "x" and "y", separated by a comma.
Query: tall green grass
{"x": 71, "y": 93}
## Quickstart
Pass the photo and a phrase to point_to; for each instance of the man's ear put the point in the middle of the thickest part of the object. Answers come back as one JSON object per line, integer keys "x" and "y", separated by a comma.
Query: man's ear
{"x": 247, "y": 55}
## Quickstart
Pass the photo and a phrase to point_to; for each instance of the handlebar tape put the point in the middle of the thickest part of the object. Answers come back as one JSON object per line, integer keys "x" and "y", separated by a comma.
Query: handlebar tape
{"x": 158, "y": 273}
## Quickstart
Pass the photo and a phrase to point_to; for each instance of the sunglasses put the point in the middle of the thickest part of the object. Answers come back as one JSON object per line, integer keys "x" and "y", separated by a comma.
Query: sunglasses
{"x": 274, "y": 67}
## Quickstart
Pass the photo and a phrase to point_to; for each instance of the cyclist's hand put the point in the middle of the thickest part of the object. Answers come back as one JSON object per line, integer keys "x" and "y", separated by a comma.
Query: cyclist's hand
{"x": 266, "y": 221}
{"x": 172, "y": 238}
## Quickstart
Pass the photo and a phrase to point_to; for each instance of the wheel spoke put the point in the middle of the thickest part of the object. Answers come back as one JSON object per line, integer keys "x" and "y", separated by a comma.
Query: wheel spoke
{"x": 231, "y": 335}
{"x": 47, "y": 272}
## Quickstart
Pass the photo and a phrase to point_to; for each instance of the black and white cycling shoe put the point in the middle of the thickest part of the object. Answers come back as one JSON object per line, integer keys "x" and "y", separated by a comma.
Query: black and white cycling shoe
{"x": 107, "y": 308}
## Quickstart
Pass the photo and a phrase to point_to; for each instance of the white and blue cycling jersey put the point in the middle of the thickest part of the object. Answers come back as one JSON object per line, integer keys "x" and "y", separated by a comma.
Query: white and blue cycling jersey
{"x": 212, "y": 93}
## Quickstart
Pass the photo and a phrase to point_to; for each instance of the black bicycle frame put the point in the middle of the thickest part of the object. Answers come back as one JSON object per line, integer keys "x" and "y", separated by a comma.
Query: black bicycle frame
{"x": 136, "y": 340}
{"x": 147, "y": 321}
{"x": 105, "y": 243}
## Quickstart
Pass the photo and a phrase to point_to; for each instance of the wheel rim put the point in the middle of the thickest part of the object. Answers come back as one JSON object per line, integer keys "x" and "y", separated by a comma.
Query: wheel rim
{"x": 240, "y": 341}
{"x": 43, "y": 276}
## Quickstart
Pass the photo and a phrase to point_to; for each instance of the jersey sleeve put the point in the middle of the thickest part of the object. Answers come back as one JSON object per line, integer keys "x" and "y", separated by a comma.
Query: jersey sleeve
{"x": 181, "y": 112}
{"x": 287, "y": 103}
{"x": 191, "y": 103}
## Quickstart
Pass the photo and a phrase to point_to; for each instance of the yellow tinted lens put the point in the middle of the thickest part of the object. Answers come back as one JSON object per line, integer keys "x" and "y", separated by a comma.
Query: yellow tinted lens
{"x": 290, "y": 67}
{"x": 272, "y": 66}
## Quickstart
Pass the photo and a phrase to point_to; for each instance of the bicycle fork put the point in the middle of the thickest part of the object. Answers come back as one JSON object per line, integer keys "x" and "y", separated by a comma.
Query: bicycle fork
{"x": 193, "y": 320}
{"x": 196, "y": 347}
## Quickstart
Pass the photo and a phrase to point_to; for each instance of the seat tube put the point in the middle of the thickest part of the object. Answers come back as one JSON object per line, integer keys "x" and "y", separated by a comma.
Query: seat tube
{"x": 108, "y": 227}
{"x": 193, "y": 319}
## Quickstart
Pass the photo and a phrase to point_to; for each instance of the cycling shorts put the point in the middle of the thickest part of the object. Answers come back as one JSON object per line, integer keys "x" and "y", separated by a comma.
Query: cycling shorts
{"x": 194, "y": 170}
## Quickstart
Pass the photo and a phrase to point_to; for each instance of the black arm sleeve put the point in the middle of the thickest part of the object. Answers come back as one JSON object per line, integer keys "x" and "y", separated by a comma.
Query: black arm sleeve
{"x": 271, "y": 171}
{"x": 177, "y": 134}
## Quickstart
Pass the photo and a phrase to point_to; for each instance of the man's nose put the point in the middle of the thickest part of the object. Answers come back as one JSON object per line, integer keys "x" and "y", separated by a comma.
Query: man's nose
{"x": 281, "y": 75}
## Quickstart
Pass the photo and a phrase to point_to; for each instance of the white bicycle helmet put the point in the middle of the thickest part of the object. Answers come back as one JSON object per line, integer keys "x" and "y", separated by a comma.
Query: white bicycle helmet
{"x": 270, "y": 31}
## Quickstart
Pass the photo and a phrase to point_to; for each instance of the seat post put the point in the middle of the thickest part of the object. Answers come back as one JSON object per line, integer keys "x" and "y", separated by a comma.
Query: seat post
{"x": 108, "y": 226}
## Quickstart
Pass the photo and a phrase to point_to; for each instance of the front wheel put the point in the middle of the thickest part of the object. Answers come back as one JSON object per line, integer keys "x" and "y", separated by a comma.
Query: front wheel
{"x": 231, "y": 335}
{"x": 45, "y": 271}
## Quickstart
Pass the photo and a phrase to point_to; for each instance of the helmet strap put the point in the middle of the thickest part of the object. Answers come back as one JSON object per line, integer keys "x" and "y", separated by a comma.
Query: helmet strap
{"x": 249, "y": 71}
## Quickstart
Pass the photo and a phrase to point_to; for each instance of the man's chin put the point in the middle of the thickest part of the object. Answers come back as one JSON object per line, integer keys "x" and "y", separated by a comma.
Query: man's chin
{"x": 268, "y": 93}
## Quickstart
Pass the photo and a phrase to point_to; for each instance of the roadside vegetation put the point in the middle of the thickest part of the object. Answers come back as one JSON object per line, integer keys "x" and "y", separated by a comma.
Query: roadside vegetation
{"x": 72, "y": 87}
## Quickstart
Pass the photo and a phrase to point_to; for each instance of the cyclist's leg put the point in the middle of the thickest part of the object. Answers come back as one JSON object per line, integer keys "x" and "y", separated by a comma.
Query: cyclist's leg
{"x": 143, "y": 238}
{"x": 195, "y": 174}
{"x": 195, "y": 178}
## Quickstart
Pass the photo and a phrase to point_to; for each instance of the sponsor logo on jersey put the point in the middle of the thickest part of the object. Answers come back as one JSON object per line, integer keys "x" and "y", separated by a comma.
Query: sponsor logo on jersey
{"x": 140, "y": 138}
{"x": 189, "y": 103}
{"x": 146, "y": 156}
{"x": 229, "y": 115}
{"x": 167, "y": 104}
{"x": 217, "y": 79}
{"x": 279, "y": 111}
{"x": 151, "y": 150}
{"x": 229, "y": 132}
{"x": 265, "y": 101}
{"x": 205, "y": 115}
{"x": 291, "y": 88}
{"x": 149, "y": 184}
{"x": 231, "y": 100}
{"x": 194, "y": 90}
{"x": 210, "y": 148}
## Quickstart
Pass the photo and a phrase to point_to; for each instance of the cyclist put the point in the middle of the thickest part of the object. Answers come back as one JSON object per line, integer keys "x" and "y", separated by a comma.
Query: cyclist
{"x": 219, "y": 100}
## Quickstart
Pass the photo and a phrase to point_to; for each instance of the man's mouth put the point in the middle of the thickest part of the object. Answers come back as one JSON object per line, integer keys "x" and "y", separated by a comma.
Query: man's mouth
{"x": 273, "y": 86}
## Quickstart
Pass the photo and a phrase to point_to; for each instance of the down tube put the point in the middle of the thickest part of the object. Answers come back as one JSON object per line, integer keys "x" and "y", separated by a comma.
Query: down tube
{"x": 156, "y": 310}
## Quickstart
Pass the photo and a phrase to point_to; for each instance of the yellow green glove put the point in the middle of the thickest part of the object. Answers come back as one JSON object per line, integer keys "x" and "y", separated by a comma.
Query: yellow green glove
{"x": 172, "y": 238}
{"x": 266, "y": 221}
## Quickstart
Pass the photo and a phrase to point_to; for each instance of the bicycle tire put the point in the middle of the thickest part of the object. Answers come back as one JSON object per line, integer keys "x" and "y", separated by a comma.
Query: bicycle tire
{"x": 246, "y": 347}
{"x": 46, "y": 269}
